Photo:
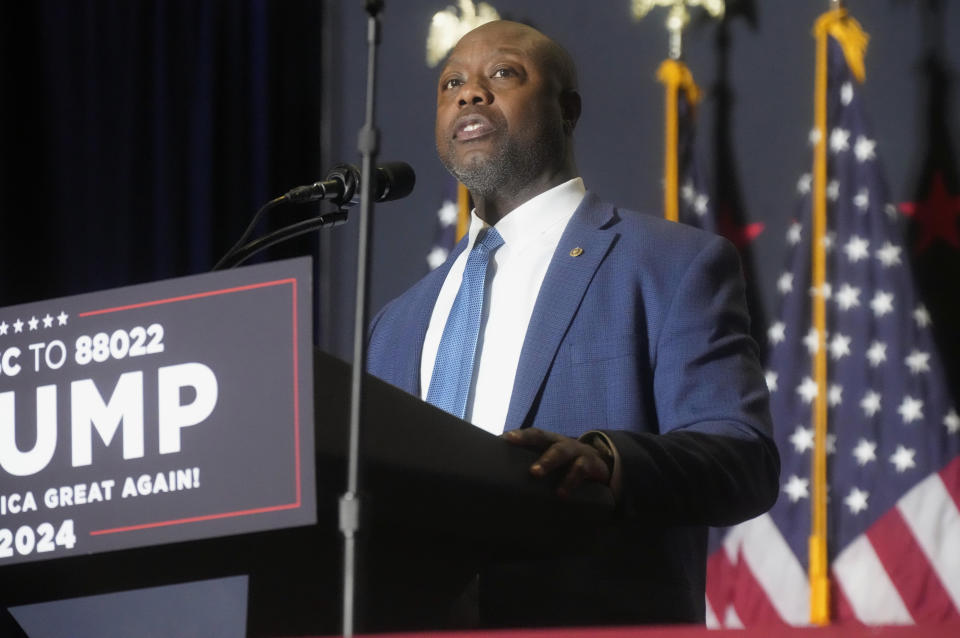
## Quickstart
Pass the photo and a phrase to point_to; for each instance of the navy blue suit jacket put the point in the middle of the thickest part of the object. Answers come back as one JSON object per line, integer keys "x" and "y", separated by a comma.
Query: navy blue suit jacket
{"x": 645, "y": 336}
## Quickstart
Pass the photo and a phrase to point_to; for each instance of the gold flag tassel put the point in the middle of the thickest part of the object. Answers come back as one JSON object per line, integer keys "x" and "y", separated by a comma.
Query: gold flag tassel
{"x": 675, "y": 76}
{"x": 847, "y": 32}
{"x": 463, "y": 211}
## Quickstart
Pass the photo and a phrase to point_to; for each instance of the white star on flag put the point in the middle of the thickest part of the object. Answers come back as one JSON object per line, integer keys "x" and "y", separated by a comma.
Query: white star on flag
{"x": 437, "y": 256}
{"x": 921, "y": 316}
{"x": 785, "y": 283}
{"x": 827, "y": 290}
{"x": 797, "y": 488}
{"x": 447, "y": 213}
{"x": 833, "y": 190}
{"x": 777, "y": 332}
{"x": 771, "y": 378}
{"x": 802, "y": 439}
{"x": 804, "y": 183}
{"x": 911, "y": 409}
{"x": 839, "y": 140}
{"x": 902, "y": 459}
{"x": 864, "y": 149}
{"x": 814, "y": 136}
{"x": 846, "y": 93}
{"x": 877, "y": 353}
{"x": 870, "y": 403}
{"x": 952, "y": 421}
{"x": 889, "y": 255}
{"x": 862, "y": 200}
{"x": 882, "y": 303}
{"x": 812, "y": 341}
{"x": 794, "y": 233}
{"x": 688, "y": 192}
{"x": 857, "y": 248}
{"x": 865, "y": 452}
{"x": 828, "y": 240}
{"x": 807, "y": 390}
{"x": 839, "y": 346}
{"x": 856, "y": 500}
{"x": 848, "y": 297}
{"x": 700, "y": 204}
{"x": 835, "y": 395}
{"x": 918, "y": 361}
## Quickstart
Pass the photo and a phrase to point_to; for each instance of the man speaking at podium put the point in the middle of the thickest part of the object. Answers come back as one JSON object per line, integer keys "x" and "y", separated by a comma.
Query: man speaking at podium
{"x": 614, "y": 342}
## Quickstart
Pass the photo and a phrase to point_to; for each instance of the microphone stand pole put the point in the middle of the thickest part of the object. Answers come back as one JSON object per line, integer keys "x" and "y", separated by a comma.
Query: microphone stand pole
{"x": 368, "y": 144}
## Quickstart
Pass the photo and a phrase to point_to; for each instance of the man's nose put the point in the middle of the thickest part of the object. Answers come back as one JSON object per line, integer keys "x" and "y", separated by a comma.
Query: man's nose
{"x": 474, "y": 92}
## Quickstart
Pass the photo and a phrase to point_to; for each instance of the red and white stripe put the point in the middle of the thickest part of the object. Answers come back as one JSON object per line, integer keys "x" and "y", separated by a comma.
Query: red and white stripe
{"x": 905, "y": 569}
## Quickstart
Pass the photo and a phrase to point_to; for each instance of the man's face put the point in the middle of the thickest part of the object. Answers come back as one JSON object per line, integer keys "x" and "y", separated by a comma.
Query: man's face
{"x": 499, "y": 122}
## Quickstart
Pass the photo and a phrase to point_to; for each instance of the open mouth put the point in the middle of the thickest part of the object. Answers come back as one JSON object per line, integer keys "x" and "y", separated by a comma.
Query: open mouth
{"x": 471, "y": 127}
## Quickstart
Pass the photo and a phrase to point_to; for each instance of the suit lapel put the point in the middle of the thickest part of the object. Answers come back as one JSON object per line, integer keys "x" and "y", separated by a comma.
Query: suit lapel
{"x": 584, "y": 244}
{"x": 419, "y": 309}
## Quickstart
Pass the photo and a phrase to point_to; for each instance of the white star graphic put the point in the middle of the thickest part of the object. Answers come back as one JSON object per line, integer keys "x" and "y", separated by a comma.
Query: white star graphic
{"x": 902, "y": 459}
{"x": 814, "y": 136}
{"x": 865, "y": 452}
{"x": 700, "y": 205}
{"x": 34, "y": 322}
{"x": 47, "y": 321}
{"x": 797, "y": 488}
{"x": 889, "y": 255}
{"x": 62, "y": 318}
{"x": 831, "y": 442}
{"x": 864, "y": 149}
{"x": 848, "y": 297}
{"x": 870, "y": 403}
{"x": 828, "y": 241}
{"x": 804, "y": 183}
{"x": 839, "y": 140}
{"x": 918, "y": 361}
{"x": 952, "y": 421}
{"x": 777, "y": 332}
{"x": 839, "y": 346}
{"x": 794, "y": 233}
{"x": 835, "y": 395}
{"x": 911, "y": 409}
{"x": 877, "y": 353}
{"x": 802, "y": 439}
{"x": 436, "y": 257}
{"x": 785, "y": 283}
{"x": 3, "y": 327}
{"x": 17, "y": 326}
{"x": 921, "y": 316}
{"x": 447, "y": 214}
{"x": 688, "y": 192}
{"x": 891, "y": 211}
{"x": 862, "y": 200}
{"x": 812, "y": 341}
{"x": 827, "y": 290}
{"x": 846, "y": 93}
{"x": 857, "y": 248}
{"x": 807, "y": 390}
{"x": 857, "y": 500}
{"x": 771, "y": 378}
{"x": 882, "y": 303}
{"x": 833, "y": 190}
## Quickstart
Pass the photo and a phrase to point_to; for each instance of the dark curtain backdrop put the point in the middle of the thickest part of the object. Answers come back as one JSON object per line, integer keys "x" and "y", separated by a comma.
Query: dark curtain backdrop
{"x": 139, "y": 137}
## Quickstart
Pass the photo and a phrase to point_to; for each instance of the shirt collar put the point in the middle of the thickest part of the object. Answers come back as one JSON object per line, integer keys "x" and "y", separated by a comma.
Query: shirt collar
{"x": 535, "y": 216}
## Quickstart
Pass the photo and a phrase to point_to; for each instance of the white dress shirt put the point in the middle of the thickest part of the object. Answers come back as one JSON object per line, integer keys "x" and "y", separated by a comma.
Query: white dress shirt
{"x": 531, "y": 233}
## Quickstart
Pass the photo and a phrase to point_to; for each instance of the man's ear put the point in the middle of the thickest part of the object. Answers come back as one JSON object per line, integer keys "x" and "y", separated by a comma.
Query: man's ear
{"x": 570, "y": 109}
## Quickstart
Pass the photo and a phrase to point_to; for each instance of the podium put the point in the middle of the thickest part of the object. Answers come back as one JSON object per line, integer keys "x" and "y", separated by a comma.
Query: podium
{"x": 439, "y": 496}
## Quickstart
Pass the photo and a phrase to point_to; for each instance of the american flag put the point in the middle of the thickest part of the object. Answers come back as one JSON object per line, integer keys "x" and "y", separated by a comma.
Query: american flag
{"x": 695, "y": 207}
{"x": 445, "y": 230}
{"x": 893, "y": 441}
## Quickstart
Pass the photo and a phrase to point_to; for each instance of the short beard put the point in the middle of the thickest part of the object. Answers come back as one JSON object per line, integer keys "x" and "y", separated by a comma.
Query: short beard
{"x": 510, "y": 168}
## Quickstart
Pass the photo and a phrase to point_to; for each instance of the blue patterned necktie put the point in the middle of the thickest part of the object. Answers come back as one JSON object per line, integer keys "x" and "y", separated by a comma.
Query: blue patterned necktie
{"x": 453, "y": 367}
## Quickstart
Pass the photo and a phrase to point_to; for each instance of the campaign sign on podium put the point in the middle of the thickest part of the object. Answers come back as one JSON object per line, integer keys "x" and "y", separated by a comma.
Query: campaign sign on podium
{"x": 169, "y": 411}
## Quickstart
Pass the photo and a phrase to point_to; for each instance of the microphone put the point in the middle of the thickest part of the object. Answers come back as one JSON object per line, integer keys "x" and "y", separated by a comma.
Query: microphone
{"x": 395, "y": 180}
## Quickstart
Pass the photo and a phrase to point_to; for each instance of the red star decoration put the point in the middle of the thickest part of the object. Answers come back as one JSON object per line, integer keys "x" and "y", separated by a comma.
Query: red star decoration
{"x": 739, "y": 235}
{"x": 936, "y": 216}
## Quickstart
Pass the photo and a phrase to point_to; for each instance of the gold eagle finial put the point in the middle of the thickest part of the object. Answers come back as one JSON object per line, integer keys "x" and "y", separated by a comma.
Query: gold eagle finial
{"x": 678, "y": 17}
{"x": 446, "y": 27}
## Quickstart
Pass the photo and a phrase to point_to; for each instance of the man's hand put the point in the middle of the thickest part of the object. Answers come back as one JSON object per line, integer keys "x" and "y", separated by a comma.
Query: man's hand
{"x": 580, "y": 461}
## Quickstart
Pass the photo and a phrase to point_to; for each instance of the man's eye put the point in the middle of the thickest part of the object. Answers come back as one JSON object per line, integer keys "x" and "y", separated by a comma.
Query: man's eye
{"x": 503, "y": 72}
{"x": 452, "y": 83}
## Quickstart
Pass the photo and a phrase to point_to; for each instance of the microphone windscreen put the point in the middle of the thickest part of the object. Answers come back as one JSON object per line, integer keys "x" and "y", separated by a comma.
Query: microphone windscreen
{"x": 395, "y": 180}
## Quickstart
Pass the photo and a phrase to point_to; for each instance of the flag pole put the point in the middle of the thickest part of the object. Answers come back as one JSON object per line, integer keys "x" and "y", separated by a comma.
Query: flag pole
{"x": 836, "y": 24}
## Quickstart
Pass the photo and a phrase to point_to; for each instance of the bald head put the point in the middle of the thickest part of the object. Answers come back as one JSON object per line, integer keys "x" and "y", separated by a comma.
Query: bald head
{"x": 506, "y": 109}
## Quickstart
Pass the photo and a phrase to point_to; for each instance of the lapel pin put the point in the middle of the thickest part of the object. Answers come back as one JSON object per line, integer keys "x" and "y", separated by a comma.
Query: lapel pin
{"x": 576, "y": 252}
